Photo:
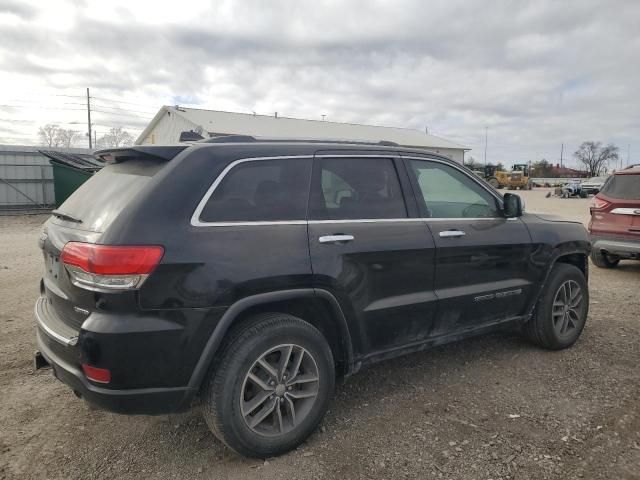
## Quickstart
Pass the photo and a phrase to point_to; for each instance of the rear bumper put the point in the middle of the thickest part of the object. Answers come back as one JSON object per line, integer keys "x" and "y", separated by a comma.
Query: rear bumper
{"x": 62, "y": 352}
{"x": 622, "y": 248}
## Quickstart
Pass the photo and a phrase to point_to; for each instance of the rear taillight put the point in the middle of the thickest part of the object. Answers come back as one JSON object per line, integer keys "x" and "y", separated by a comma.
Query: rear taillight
{"x": 598, "y": 204}
{"x": 109, "y": 267}
{"x": 95, "y": 374}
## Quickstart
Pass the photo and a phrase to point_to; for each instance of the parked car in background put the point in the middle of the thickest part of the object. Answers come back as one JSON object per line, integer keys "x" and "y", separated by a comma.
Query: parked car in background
{"x": 573, "y": 189}
{"x": 593, "y": 185}
{"x": 615, "y": 219}
{"x": 252, "y": 273}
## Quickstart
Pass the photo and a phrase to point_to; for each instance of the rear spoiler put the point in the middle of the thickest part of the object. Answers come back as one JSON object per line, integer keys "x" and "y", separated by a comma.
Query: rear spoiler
{"x": 118, "y": 155}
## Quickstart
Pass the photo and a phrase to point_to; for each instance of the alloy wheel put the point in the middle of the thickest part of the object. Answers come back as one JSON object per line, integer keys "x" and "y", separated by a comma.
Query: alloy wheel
{"x": 279, "y": 390}
{"x": 567, "y": 308}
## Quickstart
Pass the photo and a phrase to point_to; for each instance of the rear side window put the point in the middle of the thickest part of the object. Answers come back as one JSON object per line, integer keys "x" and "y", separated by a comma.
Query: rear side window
{"x": 106, "y": 194}
{"x": 261, "y": 190}
{"x": 624, "y": 187}
{"x": 356, "y": 188}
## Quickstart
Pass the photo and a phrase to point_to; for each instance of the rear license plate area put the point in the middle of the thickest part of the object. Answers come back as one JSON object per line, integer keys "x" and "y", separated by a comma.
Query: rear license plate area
{"x": 52, "y": 266}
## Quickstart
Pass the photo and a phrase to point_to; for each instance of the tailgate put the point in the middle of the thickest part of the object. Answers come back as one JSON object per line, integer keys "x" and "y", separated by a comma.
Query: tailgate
{"x": 84, "y": 217}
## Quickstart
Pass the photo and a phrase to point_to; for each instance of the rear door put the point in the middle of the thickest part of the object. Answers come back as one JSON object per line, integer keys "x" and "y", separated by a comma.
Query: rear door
{"x": 481, "y": 273}
{"x": 369, "y": 248}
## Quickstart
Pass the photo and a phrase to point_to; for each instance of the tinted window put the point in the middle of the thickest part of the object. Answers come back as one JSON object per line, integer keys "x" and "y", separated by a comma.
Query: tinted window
{"x": 624, "y": 187}
{"x": 261, "y": 190}
{"x": 100, "y": 200}
{"x": 356, "y": 188}
{"x": 449, "y": 193}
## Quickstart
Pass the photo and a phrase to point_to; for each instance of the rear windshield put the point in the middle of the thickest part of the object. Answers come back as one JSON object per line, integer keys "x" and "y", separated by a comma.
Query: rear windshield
{"x": 624, "y": 187}
{"x": 100, "y": 199}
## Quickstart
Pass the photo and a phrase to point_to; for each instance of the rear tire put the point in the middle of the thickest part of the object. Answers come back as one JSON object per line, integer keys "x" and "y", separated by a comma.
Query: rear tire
{"x": 561, "y": 311}
{"x": 603, "y": 260}
{"x": 494, "y": 182}
{"x": 270, "y": 387}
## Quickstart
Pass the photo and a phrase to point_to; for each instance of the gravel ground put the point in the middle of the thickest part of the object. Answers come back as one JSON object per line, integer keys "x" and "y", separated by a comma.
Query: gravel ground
{"x": 488, "y": 408}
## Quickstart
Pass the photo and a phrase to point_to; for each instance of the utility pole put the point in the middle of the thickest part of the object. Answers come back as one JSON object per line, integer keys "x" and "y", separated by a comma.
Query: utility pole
{"x": 486, "y": 135}
{"x": 95, "y": 138}
{"x": 561, "y": 154}
{"x": 89, "y": 119}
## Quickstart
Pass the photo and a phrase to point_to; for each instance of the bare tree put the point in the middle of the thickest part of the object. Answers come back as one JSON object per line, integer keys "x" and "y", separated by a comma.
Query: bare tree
{"x": 66, "y": 138}
{"x": 595, "y": 157}
{"x": 542, "y": 168}
{"x": 49, "y": 135}
{"x": 116, "y": 137}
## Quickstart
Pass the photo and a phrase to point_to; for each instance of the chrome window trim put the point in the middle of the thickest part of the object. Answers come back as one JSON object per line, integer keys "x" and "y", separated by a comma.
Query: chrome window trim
{"x": 401, "y": 220}
{"x": 196, "y": 222}
{"x": 195, "y": 218}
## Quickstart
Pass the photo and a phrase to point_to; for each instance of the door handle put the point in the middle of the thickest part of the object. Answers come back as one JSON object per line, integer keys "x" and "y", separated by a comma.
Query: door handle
{"x": 452, "y": 233}
{"x": 339, "y": 238}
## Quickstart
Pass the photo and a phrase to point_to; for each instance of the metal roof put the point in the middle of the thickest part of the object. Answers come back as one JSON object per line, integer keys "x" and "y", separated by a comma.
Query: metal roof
{"x": 217, "y": 122}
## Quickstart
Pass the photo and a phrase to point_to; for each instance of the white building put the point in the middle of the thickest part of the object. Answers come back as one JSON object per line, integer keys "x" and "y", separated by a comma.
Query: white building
{"x": 171, "y": 122}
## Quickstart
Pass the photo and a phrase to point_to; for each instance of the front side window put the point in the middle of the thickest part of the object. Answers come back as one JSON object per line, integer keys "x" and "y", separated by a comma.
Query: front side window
{"x": 261, "y": 190}
{"x": 356, "y": 188}
{"x": 449, "y": 193}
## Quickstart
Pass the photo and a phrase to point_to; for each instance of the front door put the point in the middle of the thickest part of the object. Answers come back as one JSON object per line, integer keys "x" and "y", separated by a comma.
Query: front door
{"x": 366, "y": 250}
{"x": 481, "y": 274}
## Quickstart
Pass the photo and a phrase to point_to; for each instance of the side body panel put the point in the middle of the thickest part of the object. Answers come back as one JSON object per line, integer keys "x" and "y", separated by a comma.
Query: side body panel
{"x": 383, "y": 279}
{"x": 484, "y": 276}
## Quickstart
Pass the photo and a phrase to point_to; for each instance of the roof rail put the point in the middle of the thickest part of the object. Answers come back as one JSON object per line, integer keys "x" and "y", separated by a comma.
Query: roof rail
{"x": 633, "y": 165}
{"x": 230, "y": 139}
{"x": 250, "y": 138}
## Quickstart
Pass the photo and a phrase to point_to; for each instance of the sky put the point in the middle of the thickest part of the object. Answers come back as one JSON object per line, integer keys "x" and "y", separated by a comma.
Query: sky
{"x": 531, "y": 75}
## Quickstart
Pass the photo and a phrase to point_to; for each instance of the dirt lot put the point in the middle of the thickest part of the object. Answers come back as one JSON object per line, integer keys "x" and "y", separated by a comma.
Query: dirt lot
{"x": 487, "y": 408}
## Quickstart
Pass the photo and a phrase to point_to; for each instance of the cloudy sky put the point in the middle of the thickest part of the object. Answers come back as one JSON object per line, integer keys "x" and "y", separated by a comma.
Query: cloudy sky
{"x": 537, "y": 74}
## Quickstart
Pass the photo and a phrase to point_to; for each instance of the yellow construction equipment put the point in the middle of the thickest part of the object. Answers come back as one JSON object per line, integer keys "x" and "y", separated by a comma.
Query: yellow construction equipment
{"x": 518, "y": 177}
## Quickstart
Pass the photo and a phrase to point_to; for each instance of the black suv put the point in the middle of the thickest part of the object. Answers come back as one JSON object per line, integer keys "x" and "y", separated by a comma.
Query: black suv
{"x": 251, "y": 273}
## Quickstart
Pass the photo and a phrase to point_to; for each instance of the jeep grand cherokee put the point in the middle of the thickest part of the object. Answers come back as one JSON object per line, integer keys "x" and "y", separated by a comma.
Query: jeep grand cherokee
{"x": 252, "y": 273}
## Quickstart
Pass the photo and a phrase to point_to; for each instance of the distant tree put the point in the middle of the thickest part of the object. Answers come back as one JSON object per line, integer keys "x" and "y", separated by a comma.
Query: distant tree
{"x": 471, "y": 163}
{"x": 595, "y": 157}
{"x": 49, "y": 135}
{"x": 116, "y": 137}
{"x": 542, "y": 169}
{"x": 67, "y": 138}
{"x": 474, "y": 164}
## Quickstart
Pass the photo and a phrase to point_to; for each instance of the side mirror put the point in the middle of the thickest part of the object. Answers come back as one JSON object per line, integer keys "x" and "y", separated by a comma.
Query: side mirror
{"x": 513, "y": 205}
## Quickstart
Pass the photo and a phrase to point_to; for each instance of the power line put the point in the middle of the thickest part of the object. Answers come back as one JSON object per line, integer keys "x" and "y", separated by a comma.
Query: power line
{"x": 122, "y": 101}
{"x": 123, "y": 109}
{"x": 24, "y": 107}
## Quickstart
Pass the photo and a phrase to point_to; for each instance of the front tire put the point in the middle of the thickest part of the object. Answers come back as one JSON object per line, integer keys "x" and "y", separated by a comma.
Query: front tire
{"x": 603, "y": 260}
{"x": 270, "y": 387}
{"x": 561, "y": 311}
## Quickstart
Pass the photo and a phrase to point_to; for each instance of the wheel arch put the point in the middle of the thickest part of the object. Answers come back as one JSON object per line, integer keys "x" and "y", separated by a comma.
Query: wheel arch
{"x": 577, "y": 258}
{"x": 316, "y": 306}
